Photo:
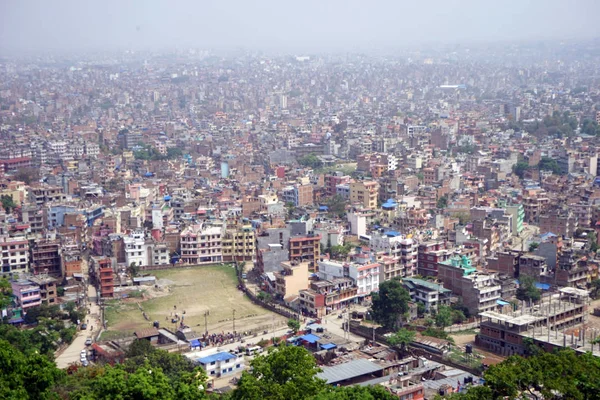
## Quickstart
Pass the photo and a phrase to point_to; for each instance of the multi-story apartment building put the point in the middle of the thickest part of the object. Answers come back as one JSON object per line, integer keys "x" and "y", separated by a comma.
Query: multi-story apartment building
{"x": 366, "y": 278}
{"x": 560, "y": 222}
{"x": 394, "y": 244}
{"x": 479, "y": 291}
{"x": 201, "y": 244}
{"x": 46, "y": 258}
{"x": 535, "y": 202}
{"x": 305, "y": 248}
{"x": 324, "y": 296}
{"x": 136, "y": 251}
{"x": 299, "y": 195}
{"x": 364, "y": 193}
{"x": 103, "y": 272}
{"x": 26, "y": 294}
{"x": 14, "y": 255}
{"x": 518, "y": 216}
{"x": 430, "y": 254}
{"x": 42, "y": 194}
{"x": 160, "y": 254}
{"x": 36, "y": 218}
{"x": 239, "y": 243}
{"x": 47, "y": 285}
{"x": 431, "y": 295}
{"x": 292, "y": 278}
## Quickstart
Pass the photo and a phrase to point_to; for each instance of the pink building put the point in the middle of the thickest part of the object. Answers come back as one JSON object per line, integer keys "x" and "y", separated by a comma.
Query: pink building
{"x": 27, "y": 294}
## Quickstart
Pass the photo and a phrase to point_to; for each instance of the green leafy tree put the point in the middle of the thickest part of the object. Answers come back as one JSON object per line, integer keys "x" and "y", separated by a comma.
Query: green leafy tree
{"x": 458, "y": 317}
{"x": 5, "y": 293}
{"x": 442, "y": 202}
{"x": 26, "y": 376}
{"x": 311, "y": 161}
{"x": 527, "y": 290}
{"x": 390, "y": 304}
{"x": 402, "y": 339}
{"x": 443, "y": 317}
{"x": 7, "y": 203}
{"x": 533, "y": 246}
{"x": 293, "y": 324}
{"x": 375, "y": 392}
{"x": 288, "y": 373}
{"x": 520, "y": 168}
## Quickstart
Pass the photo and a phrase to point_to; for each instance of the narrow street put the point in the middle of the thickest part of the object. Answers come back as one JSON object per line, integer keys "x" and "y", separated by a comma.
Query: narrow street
{"x": 72, "y": 353}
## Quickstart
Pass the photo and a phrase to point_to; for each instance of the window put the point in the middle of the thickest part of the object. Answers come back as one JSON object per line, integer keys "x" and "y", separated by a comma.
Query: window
{"x": 238, "y": 366}
{"x": 212, "y": 372}
{"x": 224, "y": 371}
{"x": 212, "y": 363}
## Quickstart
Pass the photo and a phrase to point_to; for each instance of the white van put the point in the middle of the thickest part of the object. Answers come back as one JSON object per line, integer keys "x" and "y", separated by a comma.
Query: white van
{"x": 250, "y": 351}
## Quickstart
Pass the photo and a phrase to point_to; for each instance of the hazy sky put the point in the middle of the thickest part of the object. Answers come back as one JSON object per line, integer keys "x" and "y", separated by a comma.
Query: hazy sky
{"x": 33, "y": 25}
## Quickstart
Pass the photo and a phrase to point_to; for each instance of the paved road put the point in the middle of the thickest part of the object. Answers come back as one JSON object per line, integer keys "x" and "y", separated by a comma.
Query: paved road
{"x": 72, "y": 353}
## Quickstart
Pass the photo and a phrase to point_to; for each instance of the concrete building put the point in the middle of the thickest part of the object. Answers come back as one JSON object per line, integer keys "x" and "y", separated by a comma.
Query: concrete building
{"x": 221, "y": 364}
{"x": 136, "y": 251}
{"x": 305, "y": 248}
{"x": 365, "y": 194}
{"x": 291, "y": 279}
{"x": 430, "y": 254}
{"x": 201, "y": 244}
{"x": 46, "y": 258}
{"x": 479, "y": 291}
{"x": 518, "y": 217}
{"x": 26, "y": 294}
{"x": 47, "y": 285}
{"x": 431, "y": 295}
{"x": 544, "y": 325}
{"x": 14, "y": 255}
{"x": 239, "y": 243}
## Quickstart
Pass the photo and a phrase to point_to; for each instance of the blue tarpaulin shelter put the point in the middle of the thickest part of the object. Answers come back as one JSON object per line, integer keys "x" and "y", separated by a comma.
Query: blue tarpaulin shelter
{"x": 310, "y": 338}
{"x": 328, "y": 346}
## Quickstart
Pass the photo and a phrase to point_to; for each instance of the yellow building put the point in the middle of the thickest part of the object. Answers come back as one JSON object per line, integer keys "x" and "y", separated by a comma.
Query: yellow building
{"x": 292, "y": 279}
{"x": 364, "y": 193}
{"x": 239, "y": 243}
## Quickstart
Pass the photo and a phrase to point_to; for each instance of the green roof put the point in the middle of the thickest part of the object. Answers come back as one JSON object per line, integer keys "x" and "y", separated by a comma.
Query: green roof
{"x": 461, "y": 261}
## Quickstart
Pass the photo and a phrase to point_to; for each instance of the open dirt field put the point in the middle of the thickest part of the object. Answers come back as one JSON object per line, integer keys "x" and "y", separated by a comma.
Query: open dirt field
{"x": 194, "y": 290}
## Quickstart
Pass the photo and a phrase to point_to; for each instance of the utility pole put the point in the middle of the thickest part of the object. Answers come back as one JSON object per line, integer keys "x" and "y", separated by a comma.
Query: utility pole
{"x": 205, "y": 323}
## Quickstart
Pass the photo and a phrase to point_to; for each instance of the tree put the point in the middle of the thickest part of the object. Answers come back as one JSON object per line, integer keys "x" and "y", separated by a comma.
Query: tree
{"x": 26, "y": 376}
{"x": 549, "y": 164}
{"x": 293, "y": 324}
{"x": 442, "y": 202}
{"x": 375, "y": 392}
{"x": 458, "y": 317}
{"x": 27, "y": 175}
{"x": 520, "y": 168}
{"x": 5, "y": 293}
{"x": 8, "y": 203}
{"x": 527, "y": 289}
{"x": 443, "y": 317}
{"x": 311, "y": 161}
{"x": 337, "y": 206}
{"x": 288, "y": 373}
{"x": 390, "y": 304}
{"x": 594, "y": 288}
{"x": 533, "y": 246}
{"x": 133, "y": 269}
{"x": 421, "y": 309}
{"x": 402, "y": 338}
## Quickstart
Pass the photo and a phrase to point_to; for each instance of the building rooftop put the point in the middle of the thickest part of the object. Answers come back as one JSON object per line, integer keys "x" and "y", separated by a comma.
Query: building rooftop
{"x": 349, "y": 370}
{"x": 222, "y": 356}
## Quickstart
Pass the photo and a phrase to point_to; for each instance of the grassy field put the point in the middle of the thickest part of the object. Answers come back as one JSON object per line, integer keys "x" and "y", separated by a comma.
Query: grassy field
{"x": 194, "y": 290}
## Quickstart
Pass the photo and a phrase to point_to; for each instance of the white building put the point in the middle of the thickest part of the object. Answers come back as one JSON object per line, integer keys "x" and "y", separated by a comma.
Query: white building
{"x": 14, "y": 254}
{"x": 136, "y": 251}
{"x": 366, "y": 278}
{"x": 220, "y": 364}
{"x": 160, "y": 254}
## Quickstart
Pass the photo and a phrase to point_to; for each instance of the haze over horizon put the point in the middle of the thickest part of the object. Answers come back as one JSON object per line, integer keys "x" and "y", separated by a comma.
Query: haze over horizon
{"x": 311, "y": 25}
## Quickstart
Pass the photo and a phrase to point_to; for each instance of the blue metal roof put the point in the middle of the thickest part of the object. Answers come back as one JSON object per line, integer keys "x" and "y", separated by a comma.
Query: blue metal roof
{"x": 310, "y": 338}
{"x": 392, "y": 233}
{"x": 195, "y": 343}
{"x": 323, "y": 208}
{"x": 222, "y": 356}
{"x": 328, "y": 346}
{"x": 502, "y": 302}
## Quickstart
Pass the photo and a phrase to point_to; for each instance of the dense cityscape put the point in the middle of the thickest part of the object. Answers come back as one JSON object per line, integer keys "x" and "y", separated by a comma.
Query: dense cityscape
{"x": 200, "y": 223}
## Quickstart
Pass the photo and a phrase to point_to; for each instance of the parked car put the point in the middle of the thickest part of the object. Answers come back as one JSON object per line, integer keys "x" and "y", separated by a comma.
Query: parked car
{"x": 88, "y": 341}
{"x": 85, "y": 362}
{"x": 83, "y": 327}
